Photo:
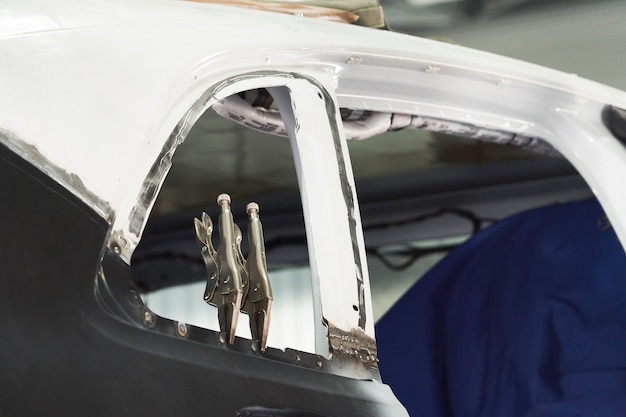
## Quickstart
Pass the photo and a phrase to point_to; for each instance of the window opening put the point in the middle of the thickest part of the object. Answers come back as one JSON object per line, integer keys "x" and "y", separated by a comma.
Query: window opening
{"x": 424, "y": 193}
{"x": 220, "y": 156}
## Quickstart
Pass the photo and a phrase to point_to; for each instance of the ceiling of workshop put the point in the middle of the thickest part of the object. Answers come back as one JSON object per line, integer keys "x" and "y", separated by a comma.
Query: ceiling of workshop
{"x": 576, "y": 36}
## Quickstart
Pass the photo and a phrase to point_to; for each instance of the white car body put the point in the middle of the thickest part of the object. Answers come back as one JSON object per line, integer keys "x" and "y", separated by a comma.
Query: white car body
{"x": 99, "y": 94}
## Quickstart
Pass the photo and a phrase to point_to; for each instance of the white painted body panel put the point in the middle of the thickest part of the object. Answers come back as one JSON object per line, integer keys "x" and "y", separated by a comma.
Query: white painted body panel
{"x": 98, "y": 88}
{"x": 109, "y": 81}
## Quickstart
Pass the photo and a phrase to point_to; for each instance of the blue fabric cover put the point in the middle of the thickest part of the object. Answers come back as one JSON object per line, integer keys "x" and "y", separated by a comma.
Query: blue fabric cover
{"x": 526, "y": 319}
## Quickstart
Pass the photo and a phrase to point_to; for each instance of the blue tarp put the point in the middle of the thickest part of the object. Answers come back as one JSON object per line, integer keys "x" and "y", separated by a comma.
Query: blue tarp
{"x": 527, "y": 318}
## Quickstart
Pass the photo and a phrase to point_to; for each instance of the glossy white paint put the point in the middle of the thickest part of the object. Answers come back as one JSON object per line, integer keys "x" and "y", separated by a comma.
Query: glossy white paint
{"x": 98, "y": 87}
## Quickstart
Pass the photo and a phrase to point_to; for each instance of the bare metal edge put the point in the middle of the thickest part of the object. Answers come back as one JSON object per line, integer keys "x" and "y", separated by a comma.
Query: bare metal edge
{"x": 350, "y": 203}
{"x": 355, "y": 343}
{"x": 69, "y": 180}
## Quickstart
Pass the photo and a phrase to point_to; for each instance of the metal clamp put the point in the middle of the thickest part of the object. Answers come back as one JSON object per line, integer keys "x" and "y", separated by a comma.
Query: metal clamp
{"x": 235, "y": 284}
